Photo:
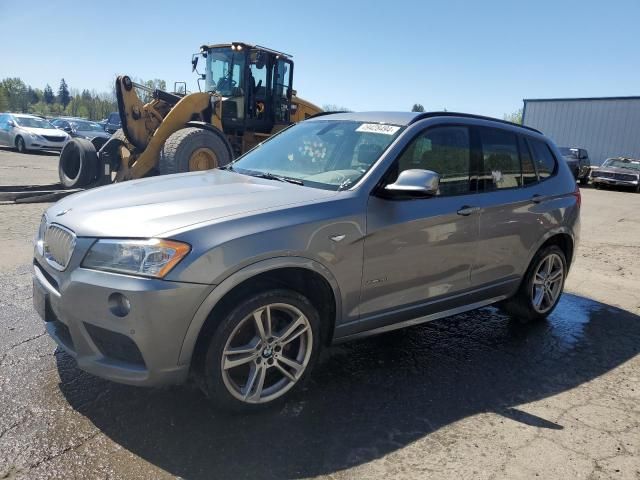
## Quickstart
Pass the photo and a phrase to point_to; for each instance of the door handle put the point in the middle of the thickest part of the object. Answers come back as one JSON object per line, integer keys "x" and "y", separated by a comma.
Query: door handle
{"x": 467, "y": 210}
{"x": 536, "y": 198}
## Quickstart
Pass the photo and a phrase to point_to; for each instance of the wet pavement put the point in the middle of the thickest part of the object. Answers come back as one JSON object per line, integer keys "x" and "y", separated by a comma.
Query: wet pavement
{"x": 473, "y": 396}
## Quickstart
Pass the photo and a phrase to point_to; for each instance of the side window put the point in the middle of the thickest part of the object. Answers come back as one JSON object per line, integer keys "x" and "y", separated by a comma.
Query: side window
{"x": 501, "y": 162}
{"x": 529, "y": 175}
{"x": 114, "y": 118}
{"x": 444, "y": 150}
{"x": 543, "y": 158}
{"x": 3, "y": 120}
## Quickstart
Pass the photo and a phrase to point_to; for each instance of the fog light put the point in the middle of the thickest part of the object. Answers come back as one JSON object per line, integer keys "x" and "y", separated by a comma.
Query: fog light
{"x": 119, "y": 305}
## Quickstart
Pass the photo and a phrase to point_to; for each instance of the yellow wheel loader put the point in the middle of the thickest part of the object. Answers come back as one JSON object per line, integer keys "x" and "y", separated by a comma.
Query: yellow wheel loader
{"x": 247, "y": 97}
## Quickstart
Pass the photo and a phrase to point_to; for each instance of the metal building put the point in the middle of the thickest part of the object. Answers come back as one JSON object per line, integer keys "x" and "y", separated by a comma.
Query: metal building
{"x": 605, "y": 126}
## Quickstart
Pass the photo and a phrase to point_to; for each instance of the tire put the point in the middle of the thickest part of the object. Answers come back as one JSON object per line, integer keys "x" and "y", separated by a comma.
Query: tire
{"x": 584, "y": 181}
{"x": 177, "y": 152}
{"x": 227, "y": 387}
{"x": 521, "y": 305}
{"x": 78, "y": 163}
{"x": 20, "y": 145}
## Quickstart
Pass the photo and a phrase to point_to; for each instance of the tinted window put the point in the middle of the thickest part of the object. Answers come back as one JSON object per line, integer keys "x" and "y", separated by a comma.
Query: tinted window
{"x": 501, "y": 163}
{"x": 542, "y": 157}
{"x": 444, "y": 150}
{"x": 529, "y": 175}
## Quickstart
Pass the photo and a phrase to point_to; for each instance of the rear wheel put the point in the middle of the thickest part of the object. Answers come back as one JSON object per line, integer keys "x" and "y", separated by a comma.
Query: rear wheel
{"x": 20, "y": 145}
{"x": 541, "y": 287}
{"x": 262, "y": 350}
{"x": 192, "y": 149}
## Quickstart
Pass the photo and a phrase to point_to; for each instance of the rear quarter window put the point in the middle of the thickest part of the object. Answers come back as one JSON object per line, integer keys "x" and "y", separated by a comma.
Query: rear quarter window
{"x": 542, "y": 158}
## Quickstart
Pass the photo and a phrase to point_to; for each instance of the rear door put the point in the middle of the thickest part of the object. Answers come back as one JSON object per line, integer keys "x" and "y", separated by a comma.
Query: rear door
{"x": 4, "y": 126}
{"x": 420, "y": 250}
{"x": 512, "y": 216}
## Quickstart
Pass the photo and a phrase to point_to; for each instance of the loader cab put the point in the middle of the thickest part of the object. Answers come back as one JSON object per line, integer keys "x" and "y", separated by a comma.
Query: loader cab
{"x": 255, "y": 83}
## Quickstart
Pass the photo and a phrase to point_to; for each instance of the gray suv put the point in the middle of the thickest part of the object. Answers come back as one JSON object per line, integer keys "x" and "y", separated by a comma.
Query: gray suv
{"x": 341, "y": 226}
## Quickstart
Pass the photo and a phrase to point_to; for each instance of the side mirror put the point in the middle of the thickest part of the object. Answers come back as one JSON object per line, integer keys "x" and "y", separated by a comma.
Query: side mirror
{"x": 194, "y": 62}
{"x": 11, "y": 123}
{"x": 415, "y": 182}
{"x": 67, "y": 129}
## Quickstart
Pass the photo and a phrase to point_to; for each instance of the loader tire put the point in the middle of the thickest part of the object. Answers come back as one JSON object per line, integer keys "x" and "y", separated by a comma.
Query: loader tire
{"x": 192, "y": 149}
{"x": 78, "y": 163}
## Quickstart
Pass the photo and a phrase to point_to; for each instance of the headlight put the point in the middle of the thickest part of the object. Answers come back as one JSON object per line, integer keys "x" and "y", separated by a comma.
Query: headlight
{"x": 150, "y": 258}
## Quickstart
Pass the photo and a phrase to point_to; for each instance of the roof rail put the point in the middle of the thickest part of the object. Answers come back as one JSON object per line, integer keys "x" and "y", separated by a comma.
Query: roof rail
{"x": 469, "y": 115}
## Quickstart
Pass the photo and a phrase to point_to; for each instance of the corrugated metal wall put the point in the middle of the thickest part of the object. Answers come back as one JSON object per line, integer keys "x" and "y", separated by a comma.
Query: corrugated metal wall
{"x": 606, "y": 127}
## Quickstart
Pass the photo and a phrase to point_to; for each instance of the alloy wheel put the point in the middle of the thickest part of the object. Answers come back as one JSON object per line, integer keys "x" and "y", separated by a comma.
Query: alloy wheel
{"x": 267, "y": 353}
{"x": 547, "y": 283}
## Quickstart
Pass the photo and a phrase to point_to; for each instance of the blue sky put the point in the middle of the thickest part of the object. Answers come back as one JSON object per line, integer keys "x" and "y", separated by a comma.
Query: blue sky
{"x": 477, "y": 56}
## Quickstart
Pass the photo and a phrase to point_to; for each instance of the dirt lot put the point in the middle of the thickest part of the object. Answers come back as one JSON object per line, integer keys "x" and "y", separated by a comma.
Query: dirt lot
{"x": 473, "y": 396}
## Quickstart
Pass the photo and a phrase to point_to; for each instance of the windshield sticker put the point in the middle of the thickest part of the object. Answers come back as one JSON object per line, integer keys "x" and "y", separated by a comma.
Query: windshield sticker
{"x": 377, "y": 128}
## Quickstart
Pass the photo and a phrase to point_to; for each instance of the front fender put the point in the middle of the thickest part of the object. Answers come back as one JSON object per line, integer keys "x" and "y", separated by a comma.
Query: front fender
{"x": 235, "y": 279}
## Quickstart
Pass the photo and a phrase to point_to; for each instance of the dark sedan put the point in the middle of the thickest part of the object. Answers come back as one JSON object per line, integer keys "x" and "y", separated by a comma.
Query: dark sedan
{"x": 618, "y": 172}
{"x": 77, "y": 127}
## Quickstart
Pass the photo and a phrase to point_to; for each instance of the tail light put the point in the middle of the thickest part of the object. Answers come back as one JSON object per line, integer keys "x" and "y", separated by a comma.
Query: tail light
{"x": 578, "y": 196}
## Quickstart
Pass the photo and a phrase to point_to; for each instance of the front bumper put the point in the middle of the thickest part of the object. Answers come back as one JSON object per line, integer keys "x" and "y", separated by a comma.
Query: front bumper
{"x": 43, "y": 144}
{"x": 140, "y": 348}
{"x": 614, "y": 182}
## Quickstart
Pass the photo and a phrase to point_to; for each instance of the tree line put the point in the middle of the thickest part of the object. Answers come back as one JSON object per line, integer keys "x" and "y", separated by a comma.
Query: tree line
{"x": 18, "y": 97}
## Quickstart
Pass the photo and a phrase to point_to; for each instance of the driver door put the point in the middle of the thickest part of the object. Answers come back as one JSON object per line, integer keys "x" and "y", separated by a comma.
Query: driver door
{"x": 420, "y": 251}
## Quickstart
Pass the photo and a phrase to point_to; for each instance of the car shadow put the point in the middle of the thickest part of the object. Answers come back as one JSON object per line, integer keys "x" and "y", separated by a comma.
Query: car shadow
{"x": 366, "y": 398}
{"x": 42, "y": 153}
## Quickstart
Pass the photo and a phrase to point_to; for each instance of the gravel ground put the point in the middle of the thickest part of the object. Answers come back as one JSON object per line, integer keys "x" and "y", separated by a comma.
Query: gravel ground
{"x": 472, "y": 396}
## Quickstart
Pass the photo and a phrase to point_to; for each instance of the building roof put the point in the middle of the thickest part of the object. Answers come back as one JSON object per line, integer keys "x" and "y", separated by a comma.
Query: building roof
{"x": 579, "y": 99}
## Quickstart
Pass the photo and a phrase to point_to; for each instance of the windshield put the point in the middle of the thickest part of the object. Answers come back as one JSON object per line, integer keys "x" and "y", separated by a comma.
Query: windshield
{"x": 322, "y": 154}
{"x": 33, "y": 122}
{"x": 225, "y": 68}
{"x": 87, "y": 126}
{"x": 614, "y": 162}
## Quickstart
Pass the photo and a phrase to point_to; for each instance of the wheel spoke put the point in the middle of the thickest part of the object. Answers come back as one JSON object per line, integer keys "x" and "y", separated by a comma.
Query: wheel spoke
{"x": 269, "y": 330}
{"x": 548, "y": 297}
{"x": 555, "y": 276}
{"x": 297, "y": 367}
{"x": 538, "y": 295}
{"x": 539, "y": 279}
{"x": 283, "y": 338}
{"x": 257, "y": 379}
{"x": 240, "y": 358}
{"x": 257, "y": 317}
{"x": 549, "y": 266}
{"x": 286, "y": 372}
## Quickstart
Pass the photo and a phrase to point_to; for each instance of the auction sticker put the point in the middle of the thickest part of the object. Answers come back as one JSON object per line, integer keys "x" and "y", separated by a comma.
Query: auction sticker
{"x": 377, "y": 128}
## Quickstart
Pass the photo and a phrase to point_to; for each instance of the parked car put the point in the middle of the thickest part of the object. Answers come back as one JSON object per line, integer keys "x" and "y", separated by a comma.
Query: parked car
{"x": 579, "y": 163}
{"x": 81, "y": 128}
{"x": 113, "y": 122}
{"x": 30, "y": 132}
{"x": 341, "y": 226}
{"x": 618, "y": 172}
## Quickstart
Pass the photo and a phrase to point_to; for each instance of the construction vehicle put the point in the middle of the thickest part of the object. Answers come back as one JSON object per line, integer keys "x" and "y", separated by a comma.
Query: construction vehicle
{"x": 247, "y": 97}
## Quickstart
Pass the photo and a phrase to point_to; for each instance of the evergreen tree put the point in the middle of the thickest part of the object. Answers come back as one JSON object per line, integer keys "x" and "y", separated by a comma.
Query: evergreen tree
{"x": 48, "y": 95}
{"x": 63, "y": 94}
{"x": 417, "y": 108}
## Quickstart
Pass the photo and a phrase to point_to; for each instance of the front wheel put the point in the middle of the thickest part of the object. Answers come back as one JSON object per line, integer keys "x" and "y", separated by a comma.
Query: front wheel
{"x": 262, "y": 350}
{"x": 541, "y": 287}
{"x": 192, "y": 149}
{"x": 20, "y": 145}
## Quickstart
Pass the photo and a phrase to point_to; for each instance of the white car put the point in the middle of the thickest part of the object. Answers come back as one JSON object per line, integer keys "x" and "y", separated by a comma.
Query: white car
{"x": 28, "y": 132}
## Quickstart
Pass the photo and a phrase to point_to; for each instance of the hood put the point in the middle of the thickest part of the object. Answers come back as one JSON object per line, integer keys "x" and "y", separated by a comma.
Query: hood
{"x": 92, "y": 134}
{"x": 616, "y": 170}
{"x": 155, "y": 206}
{"x": 52, "y": 132}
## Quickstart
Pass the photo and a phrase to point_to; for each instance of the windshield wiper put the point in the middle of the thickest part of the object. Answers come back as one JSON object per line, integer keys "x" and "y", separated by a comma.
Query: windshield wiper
{"x": 280, "y": 178}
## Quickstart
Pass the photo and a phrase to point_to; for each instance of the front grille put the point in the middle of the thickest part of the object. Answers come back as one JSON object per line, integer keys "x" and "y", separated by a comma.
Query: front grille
{"x": 114, "y": 345}
{"x": 625, "y": 176}
{"x": 53, "y": 139}
{"x": 58, "y": 246}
